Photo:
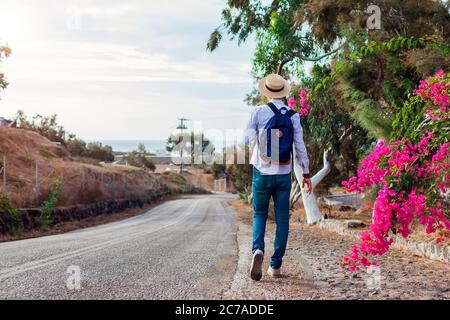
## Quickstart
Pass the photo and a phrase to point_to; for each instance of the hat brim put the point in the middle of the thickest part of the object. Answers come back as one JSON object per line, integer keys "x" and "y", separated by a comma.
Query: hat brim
{"x": 271, "y": 94}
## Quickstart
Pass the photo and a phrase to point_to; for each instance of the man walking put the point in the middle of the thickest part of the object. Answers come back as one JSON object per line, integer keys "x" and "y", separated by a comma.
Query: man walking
{"x": 276, "y": 131}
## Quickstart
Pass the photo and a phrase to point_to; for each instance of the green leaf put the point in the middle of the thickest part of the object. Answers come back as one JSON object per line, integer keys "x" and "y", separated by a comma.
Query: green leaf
{"x": 318, "y": 87}
{"x": 410, "y": 42}
{"x": 396, "y": 44}
{"x": 354, "y": 55}
{"x": 402, "y": 43}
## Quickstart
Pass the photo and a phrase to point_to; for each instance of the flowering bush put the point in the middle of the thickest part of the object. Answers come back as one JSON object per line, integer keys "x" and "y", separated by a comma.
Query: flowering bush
{"x": 303, "y": 105}
{"x": 435, "y": 93}
{"x": 411, "y": 175}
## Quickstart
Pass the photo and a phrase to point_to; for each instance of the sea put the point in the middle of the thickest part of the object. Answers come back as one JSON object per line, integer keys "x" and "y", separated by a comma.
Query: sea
{"x": 153, "y": 146}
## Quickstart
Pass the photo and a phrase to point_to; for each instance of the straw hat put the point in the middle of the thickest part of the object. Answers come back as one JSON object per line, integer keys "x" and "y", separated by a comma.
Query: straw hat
{"x": 274, "y": 86}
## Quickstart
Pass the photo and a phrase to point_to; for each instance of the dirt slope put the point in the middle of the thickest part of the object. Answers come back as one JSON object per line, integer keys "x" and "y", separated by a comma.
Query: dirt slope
{"x": 81, "y": 183}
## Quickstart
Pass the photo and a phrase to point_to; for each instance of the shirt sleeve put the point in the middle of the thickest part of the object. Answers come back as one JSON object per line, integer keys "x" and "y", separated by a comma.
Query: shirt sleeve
{"x": 300, "y": 148}
{"x": 251, "y": 129}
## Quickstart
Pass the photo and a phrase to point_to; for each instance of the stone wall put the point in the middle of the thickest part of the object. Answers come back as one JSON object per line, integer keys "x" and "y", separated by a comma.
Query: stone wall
{"x": 428, "y": 250}
{"x": 30, "y": 218}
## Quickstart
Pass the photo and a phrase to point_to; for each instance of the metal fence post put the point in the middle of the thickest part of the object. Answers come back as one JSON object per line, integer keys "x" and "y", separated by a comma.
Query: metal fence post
{"x": 37, "y": 187}
{"x": 113, "y": 184}
{"x": 5, "y": 165}
{"x": 82, "y": 183}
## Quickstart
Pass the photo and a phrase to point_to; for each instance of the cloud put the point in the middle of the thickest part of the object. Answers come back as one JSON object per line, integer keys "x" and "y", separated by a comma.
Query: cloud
{"x": 127, "y": 70}
{"x": 88, "y": 62}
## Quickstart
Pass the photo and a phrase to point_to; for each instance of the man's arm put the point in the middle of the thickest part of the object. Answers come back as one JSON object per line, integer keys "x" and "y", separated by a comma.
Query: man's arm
{"x": 302, "y": 153}
{"x": 251, "y": 129}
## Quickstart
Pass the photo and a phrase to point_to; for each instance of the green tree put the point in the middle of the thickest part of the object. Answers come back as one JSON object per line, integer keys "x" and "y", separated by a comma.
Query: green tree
{"x": 141, "y": 148}
{"x": 371, "y": 89}
{"x": 361, "y": 77}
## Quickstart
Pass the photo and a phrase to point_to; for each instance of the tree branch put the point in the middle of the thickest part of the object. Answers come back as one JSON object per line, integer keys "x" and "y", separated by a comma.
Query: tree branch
{"x": 348, "y": 130}
{"x": 304, "y": 58}
{"x": 283, "y": 63}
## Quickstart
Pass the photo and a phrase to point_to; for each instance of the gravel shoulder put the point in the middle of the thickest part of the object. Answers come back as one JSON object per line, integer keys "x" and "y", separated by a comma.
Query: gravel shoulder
{"x": 311, "y": 269}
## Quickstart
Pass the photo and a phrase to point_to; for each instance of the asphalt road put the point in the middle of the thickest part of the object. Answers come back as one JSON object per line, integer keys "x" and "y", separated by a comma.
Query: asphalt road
{"x": 183, "y": 249}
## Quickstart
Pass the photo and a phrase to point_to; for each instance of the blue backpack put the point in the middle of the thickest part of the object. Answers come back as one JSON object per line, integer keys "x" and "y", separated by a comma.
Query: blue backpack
{"x": 281, "y": 122}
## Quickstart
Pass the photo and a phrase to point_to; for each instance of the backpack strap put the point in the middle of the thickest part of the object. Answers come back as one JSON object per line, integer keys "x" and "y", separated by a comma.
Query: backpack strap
{"x": 273, "y": 108}
{"x": 290, "y": 113}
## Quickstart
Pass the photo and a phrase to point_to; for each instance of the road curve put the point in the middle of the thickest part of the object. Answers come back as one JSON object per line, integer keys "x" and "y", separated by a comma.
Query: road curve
{"x": 182, "y": 249}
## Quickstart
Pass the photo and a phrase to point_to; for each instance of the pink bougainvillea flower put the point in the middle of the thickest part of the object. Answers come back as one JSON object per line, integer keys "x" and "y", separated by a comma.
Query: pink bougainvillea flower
{"x": 303, "y": 106}
{"x": 390, "y": 168}
{"x": 292, "y": 103}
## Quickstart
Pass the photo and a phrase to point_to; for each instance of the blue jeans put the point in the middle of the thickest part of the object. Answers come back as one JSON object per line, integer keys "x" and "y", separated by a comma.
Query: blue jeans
{"x": 264, "y": 187}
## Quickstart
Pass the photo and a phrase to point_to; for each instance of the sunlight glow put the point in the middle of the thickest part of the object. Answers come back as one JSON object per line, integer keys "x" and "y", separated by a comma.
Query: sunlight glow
{"x": 14, "y": 22}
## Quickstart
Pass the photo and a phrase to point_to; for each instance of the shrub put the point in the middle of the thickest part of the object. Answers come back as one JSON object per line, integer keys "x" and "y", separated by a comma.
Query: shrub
{"x": 45, "y": 126}
{"x": 139, "y": 160}
{"x": 50, "y": 204}
{"x": 7, "y": 206}
{"x": 96, "y": 150}
{"x": 27, "y": 160}
{"x": 411, "y": 174}
{"x": 75, "y": 146}
{"x": 47, "y": 153}
{"x": 174, "y": 178}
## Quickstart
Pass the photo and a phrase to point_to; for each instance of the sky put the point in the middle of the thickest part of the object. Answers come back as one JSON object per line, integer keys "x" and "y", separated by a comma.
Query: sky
{"x": 122, "y": 69}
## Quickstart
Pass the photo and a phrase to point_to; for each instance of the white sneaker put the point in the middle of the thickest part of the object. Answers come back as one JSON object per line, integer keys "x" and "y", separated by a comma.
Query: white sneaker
{"x": 274, "y": 273}
{"x": 256, "y": 268}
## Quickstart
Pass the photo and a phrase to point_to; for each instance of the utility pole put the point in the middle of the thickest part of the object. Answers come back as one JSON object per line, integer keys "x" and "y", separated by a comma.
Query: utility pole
{"x": 182, "y": 126}
{"x": 201, "y": 147}
{"x": 5, "y": 166}
{"x": 36, "y": 187}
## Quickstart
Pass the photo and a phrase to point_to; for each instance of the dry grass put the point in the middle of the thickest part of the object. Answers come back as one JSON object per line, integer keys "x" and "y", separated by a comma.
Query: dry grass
{"x": 198, "y": 178}
{"x": 195, "y": 176}
{"x": 82, "y": 182}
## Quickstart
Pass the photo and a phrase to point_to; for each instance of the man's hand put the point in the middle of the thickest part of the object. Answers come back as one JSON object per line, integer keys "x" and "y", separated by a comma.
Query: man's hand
{"x": 307, "y": 182}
